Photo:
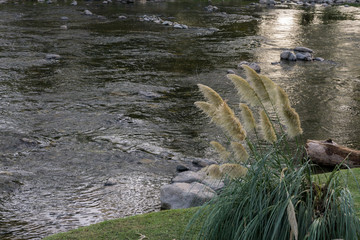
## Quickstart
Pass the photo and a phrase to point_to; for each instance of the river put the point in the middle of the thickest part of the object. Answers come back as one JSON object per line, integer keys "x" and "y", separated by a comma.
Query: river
{"x": 118, "y": 105}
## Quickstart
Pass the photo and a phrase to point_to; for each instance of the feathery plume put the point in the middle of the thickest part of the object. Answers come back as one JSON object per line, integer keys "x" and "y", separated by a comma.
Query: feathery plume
{"x": 283, "y": 98}
{"x": 206, "y": 107}
{"x": 233, "y": 170}
{"x": 245, "y": 91}
{"x": 230, "y": 123}
{"x": 257, "y": 83}
{"x": 239, "y": 151}
{"x": 292, "y": 121}
{"x": 248, "y": 118}
{"x": 271, "y": 88}
{"x": 211, "y": 95}
{"x": 221, "y": 150}
{"x": 213, "y": 171}
{"x": 267, "y": 128}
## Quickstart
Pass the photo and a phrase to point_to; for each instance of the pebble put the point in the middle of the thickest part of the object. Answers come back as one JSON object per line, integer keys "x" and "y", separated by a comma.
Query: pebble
{"x": 87, "y": 12}
{"x": 229, "y": 71}
{"x": 64, "y": 18}
{"x": 74, "y": 3}
{"x": 63, "y": 27}
{"x": 122, "y": 17}
{"x": 52, "y": 57}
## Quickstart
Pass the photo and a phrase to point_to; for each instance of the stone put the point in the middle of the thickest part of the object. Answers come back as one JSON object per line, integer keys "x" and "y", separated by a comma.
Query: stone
{"x": 110, "y": 182}
{"x": 288, "y": 55}
{"x": 64, "y": 18}
{"x": 87, "y": 12}
{"x": 178, "y": 26}
{"x": 303, "y": 56}
{"x": 122, "y": 17}
{"x": 319, "y": 59}
{"x": 52, "y": 57}
{"x": 215, "y": 184}
{"x": 185, "y": 195}
{"x": 74, "y": 3}
{"x": 63, "y": 27}
{"x": 211, "y": 8}
{"x": 202, "y": 162}
{"x": 229, "y": 71}
{"x": 253, "y": 65}
{"x": 303, "y": 49}
{"x": 189, "y": 177}
{"x": 167, "y": 23}
{"x": 181, "y": 168}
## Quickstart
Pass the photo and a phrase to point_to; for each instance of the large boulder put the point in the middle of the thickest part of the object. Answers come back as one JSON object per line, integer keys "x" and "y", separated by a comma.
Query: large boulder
{"x": 189, "y": 177}
{"x": 185, "y": 195}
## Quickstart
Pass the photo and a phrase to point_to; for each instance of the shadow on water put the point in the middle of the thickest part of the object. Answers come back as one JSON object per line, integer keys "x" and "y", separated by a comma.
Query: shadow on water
{"x": 95, "y": 134}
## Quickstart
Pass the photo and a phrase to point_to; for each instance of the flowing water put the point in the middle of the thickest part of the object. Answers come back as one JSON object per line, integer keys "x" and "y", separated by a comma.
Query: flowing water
{"x": 117, "y": 107}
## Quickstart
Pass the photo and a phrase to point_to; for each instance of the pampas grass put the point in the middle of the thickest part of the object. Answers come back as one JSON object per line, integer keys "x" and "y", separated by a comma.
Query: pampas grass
{"x": 258, "y": 84}
{"x": 221, "y": 150}
{"x": 248, "y": 118}
{"x": 212, "y": 96}
{"x": 230, "y": 123}
{"x": 276, "y": 197}
{"x": 267, "y": 128}
{"x": 241, "y": 154}
{"x": 245, "y": 91}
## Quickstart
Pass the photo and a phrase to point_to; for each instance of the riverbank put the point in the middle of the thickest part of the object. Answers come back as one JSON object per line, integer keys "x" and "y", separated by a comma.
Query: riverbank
{"x": 169, "y": 224}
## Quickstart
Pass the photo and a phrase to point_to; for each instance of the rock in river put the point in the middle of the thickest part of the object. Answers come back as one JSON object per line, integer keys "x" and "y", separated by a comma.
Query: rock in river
{"x": 185, "y": 195}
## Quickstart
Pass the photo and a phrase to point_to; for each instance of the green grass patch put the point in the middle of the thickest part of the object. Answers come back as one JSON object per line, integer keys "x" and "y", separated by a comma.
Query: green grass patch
{"x": 168, "y": 225}
{"x": 165, "y": 225}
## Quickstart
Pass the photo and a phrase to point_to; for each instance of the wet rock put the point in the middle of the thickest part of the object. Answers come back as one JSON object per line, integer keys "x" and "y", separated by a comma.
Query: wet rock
{"x": 211, "y": 8}
{"x": 229, "y": 71}
{"x": 74, "y": 3}
{"x": 305, "y": 56}
{"x": 64, "y": 18}
{"x": 253, "y": 65}
{"x": 122, "y": 17}
{"x": 303, "y": 49}
{"x": 288, "y": 55}
{"x": 63, "y": 27}
{"x": 275, "y": 63}
{"x": 110, "y": 182}
{"x": 181, "y": 168}
{"x": 185, "y": 195}
{"x": 319, "y": 59}
{"x": 202, "y": 162}
{"x": 167, "y": 23}
{"x": 88, "y": 13}
{"x": 52, "y": 57}
{"x": 189, "y": 177}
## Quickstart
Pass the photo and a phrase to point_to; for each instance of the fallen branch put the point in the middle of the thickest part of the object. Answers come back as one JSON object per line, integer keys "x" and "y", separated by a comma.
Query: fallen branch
{"x": 328, "y": 153}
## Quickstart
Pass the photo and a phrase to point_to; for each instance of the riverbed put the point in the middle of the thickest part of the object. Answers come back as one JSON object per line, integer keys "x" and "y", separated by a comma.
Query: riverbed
{"x": 94, "y": 130}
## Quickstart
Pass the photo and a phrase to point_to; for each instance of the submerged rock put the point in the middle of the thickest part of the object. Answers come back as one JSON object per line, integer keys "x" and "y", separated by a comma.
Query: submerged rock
{"x": 185, "y": 195}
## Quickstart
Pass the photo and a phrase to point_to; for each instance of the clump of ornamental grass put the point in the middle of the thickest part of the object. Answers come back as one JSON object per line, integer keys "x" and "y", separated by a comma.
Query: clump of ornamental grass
{"x": 274, "y": 195}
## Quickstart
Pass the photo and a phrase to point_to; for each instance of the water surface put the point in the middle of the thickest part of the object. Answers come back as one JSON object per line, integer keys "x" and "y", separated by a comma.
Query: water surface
{"x": 118, "y": 105}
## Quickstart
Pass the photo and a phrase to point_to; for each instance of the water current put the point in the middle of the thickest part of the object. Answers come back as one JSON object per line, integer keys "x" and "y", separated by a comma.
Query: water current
{"x": 118, "y": 104}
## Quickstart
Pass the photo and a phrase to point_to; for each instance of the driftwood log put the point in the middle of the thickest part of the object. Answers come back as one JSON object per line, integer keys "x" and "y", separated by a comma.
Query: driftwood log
{"x": 328, "y": 153}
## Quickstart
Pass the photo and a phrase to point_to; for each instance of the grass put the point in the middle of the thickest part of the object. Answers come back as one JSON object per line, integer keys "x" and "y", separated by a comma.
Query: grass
{"x": 165, "y": 225}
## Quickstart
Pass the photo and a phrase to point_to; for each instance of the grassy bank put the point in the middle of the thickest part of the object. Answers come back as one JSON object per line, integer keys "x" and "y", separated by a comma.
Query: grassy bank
{"x": 166, "y": 225}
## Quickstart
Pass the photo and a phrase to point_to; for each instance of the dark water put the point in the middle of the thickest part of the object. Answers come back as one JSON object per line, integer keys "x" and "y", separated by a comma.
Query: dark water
{"x": 118, "y": 105}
